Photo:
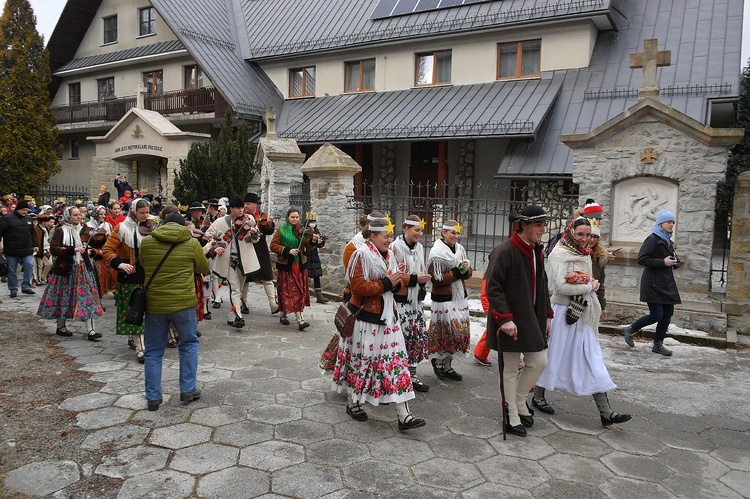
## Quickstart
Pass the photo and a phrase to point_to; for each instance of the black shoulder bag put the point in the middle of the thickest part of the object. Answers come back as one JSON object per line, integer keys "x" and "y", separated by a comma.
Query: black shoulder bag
{"x": 138, "y": 296}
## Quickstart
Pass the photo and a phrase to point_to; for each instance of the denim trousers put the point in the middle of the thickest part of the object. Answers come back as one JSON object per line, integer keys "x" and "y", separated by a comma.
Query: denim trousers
{"x": 660, "y": 314}
{"x": 28, "y": 271}
{"x": 155, "y": 332}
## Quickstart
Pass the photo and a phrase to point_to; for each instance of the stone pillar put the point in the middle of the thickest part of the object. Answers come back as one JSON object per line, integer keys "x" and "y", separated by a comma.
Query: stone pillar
{"x": 331, "y": 173}
{"x": 279, "y": 161}
{"x": 737, "y": 305}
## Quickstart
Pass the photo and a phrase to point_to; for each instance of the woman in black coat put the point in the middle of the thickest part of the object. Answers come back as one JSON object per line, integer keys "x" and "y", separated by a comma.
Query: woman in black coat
{"x": 658, "y": 287}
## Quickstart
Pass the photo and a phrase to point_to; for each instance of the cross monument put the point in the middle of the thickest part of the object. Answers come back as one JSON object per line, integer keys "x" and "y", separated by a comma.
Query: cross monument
{"x": 140, "y": 92}
{"x": 649, "y": 60}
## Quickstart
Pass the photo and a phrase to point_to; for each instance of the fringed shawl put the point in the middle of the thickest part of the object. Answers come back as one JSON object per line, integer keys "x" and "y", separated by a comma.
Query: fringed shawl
{"x": 358, "y": 240}
{"x": 374, "y": 268}
{"x": 443, "y": 260}
{"x": 414, "y": 259}
{"x": 72, "y": 238}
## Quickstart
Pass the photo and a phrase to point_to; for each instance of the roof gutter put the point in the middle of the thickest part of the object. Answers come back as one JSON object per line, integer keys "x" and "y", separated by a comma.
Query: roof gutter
{"x": 121, "y": 62}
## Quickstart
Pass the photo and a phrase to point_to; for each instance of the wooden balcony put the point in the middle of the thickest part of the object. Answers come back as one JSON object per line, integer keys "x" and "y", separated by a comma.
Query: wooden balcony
{"x": 201, "y": 100}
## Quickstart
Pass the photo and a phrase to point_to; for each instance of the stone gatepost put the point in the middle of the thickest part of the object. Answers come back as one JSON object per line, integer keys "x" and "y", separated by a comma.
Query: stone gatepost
{"x": 279, "y": 161}
{"x": 738, "y": 273}
{"x": 648, "y": 158}
{"x": 331, "y": 173}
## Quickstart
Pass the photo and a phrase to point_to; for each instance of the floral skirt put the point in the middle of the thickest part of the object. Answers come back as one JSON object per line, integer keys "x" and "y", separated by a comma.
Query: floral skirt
{"x": 122, "y": 328}
{"x": 331, "y": 352}
{"x": 372, "y": 365}
{"x": 293, "y": 290}
{"x": 415, "y": 332}
{"x": 73, "y": 296}
{"x": 449, "y": 328}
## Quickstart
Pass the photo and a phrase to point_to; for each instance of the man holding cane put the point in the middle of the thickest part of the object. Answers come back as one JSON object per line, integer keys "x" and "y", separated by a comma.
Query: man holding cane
{"x": 520, "y": 314}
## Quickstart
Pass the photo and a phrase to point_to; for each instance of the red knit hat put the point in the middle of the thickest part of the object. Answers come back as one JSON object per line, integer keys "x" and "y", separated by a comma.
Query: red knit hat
{"x": 592, "y": 209}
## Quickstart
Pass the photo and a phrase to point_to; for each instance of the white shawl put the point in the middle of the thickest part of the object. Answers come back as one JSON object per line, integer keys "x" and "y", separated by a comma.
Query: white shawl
{"x": 374, "y": 269}
{"x": 443, "y": 260}
{"x": 72, "y": 238}
{"x": 358, "y": 240}
{"x": 414, "y": 259}
{"x": 561, "y": 261}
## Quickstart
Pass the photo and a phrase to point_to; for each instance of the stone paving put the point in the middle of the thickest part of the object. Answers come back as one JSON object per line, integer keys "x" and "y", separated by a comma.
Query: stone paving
{"x": 268, "y": 425}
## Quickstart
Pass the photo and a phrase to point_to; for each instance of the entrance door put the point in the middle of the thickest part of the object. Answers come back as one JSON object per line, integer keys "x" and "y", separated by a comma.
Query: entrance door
{"x": 423, "y": 177}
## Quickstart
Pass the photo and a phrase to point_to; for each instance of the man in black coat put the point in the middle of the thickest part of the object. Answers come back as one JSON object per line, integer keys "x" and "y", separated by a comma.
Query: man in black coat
{"x": 122, "y": 185}
{"x": 19, "y": 246}
{"x": 519, "y": 313}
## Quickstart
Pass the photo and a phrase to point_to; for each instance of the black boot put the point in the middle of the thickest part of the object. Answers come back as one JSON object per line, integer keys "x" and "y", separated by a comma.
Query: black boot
{"x": 659, "y": 348}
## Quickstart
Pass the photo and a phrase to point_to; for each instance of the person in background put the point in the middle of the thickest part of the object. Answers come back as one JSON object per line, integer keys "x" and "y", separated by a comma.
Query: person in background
{"x": 264, "y": 274}
{"x": 104, "y": 196}
{"x": 519, "y": 316}
{"x": 115, "y": 216}
{"x": 314, "y": 267}
{"x": 372, "y": 365}
{"x": 481, "y": 350}
{"x": 171, "y": 300}
{"x": 71, "y": 292}
{"x": 19, "y": 246}
{"x": 122, "y": 185}
{"x": 449, "y": 331}
{"x": 43, "y": 257}
{"x": 658, "y": 287}
{"x": 409, "y": 255}
{"x": 122, "y": 253}
{"x": 291, "y": 244}
{"x": 575, "y": 360}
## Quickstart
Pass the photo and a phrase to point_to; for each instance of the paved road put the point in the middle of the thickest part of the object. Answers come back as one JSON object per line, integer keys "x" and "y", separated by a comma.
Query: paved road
{"x": 269, "y": 425}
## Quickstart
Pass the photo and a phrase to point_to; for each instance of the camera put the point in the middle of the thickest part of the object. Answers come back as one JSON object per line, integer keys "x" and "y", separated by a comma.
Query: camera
{"x": 676, "y": 265}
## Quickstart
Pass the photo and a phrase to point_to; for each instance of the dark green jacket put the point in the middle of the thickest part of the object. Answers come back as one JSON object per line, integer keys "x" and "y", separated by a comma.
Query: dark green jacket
{"x": 173, "y": 288}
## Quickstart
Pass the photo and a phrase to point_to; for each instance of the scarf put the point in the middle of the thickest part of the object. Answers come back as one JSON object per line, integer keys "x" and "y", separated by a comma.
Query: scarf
{"x": 530, "y": 252}
{"x": 666, "y": 236}
{"x": 374, "y": 268}
{"x": 414, "y": 259}
{"x": 358, "y": 240}
{"x": 289, "y": 239}
{"x": 129, "y": 228}
{"x": 71, "y": 234}
{"x": 569, "y": 241}
{"x": 443, "y": 260}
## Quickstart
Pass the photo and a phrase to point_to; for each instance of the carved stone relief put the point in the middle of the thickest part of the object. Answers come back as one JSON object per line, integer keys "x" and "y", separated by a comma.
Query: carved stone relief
{"x": 637, "y": 202}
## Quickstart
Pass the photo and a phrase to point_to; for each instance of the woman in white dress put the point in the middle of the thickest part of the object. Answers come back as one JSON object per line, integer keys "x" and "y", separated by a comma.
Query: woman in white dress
{"x": 372, "y": 365}
{"x": 449, "y": 331}
{"x": 575, "y": 361}
{"x": 408, "y": 251}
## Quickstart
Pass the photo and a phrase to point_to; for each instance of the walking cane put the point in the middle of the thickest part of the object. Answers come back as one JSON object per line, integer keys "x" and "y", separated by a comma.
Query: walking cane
{"x": 503, "y": 403}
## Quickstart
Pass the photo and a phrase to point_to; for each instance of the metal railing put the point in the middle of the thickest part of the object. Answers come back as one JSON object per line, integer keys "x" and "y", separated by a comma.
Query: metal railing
{"x": 201, "y": 100}
{"x": 482, "y": 210}
{"x": 62, "y": 193}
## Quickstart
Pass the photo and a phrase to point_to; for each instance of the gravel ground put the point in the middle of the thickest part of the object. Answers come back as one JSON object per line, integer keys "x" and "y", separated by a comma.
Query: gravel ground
{"x": 35, "y": 377}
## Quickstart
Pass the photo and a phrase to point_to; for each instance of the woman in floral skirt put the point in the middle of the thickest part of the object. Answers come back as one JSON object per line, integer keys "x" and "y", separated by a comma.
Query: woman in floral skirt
{"x": 449, "y": 325}
{"x": 372, "y": 365}
{"x": 71, "y": 292}
{"x": 408, "y": 251}
{"x": 121, "y": 251}
{"x": 291, "y": 246}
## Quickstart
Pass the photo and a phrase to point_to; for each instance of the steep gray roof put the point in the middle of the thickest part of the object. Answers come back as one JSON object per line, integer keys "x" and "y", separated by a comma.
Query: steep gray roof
{"x": 123, "y": 55}
{"x": 705, "y": 39}
{"x": 291, "y": 27}
{"x": 209, "y": 31}
{"x": 500, "y": 109}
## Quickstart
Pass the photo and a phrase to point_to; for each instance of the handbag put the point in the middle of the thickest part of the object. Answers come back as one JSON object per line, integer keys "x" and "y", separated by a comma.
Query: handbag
{"x": 3, "y": 266}
{"x": 575, "y": 310}
{"x": 344, "y": 320}
{"x": 137, "y": 302}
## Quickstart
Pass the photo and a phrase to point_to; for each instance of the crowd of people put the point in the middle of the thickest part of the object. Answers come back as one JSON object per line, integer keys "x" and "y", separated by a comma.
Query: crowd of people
{"x": 543, "y": 312}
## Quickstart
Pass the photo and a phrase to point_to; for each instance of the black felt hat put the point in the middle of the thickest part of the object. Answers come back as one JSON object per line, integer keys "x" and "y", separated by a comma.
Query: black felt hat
{"x": 196, "y": 205}
{"x": 530, "y": 213}
{"x": 236, "y": 202}
{"x": 251, "y": 197}
{"x": 213, "y": 202}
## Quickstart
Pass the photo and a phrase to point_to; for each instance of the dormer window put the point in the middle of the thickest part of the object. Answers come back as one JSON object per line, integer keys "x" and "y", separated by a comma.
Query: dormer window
{"x": 433, "y": 68}
{"x": 519, "y": 59}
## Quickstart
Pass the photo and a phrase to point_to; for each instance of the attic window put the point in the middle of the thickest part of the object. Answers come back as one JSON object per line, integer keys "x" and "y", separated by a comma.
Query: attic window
{"x": 433, "y": 68}
{"x": 110, "y": 29}
{"x": 146, "y": 21}
{"x": 519, "y": 59}
{"x": 302, "y": 82}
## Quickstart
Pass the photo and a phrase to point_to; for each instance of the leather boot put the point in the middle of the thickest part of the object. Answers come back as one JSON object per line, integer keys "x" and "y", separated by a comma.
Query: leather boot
{"x": 659, "y": 348}
{"x": 270, "y": 290}
{"x": 320, "y": 298}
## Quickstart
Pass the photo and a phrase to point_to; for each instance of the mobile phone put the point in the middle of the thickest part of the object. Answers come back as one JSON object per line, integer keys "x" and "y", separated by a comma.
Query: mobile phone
{"x": 615, "y": 250}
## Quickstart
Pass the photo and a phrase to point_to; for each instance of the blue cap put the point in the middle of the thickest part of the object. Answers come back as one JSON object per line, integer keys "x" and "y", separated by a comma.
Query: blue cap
{"x": 664, "y": 216}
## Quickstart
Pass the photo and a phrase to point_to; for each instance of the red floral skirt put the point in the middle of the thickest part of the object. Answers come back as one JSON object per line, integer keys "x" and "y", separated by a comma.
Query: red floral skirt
{"x": 293, "y": 290}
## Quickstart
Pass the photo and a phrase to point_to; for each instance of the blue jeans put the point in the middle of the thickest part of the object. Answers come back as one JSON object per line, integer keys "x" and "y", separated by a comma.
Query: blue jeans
{"x": 658, "y": 313}
{"x": 155, "y": 332}
{"x": 28, "y": 271}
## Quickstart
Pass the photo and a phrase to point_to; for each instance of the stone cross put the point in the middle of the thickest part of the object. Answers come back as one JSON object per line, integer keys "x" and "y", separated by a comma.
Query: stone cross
{"x": 271, "y": 123}
{"x": 140, "y": 92}
{"x": 649, "y": 60}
